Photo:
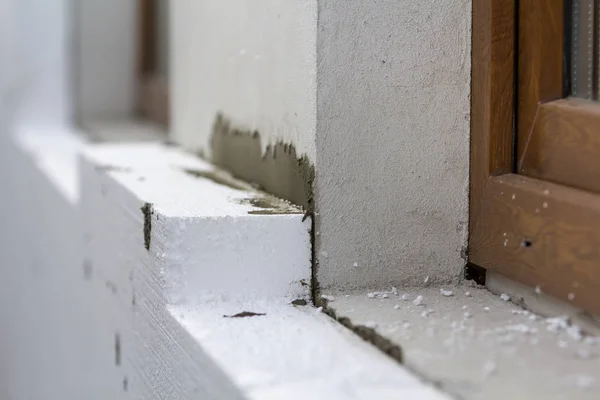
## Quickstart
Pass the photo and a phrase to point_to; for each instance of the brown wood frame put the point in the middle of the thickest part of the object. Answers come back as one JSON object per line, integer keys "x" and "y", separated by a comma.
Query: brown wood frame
{"x": 153, "y": 88}
{"x": 540, "y": 227}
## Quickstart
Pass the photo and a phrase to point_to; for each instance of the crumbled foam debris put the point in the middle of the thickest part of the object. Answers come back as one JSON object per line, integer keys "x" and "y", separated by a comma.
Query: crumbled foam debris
{"x": 533, "y": 317}
{"x": 591, "y": 340}
{"x": 406, "y": 325}
{"x": 505, "y": 297}
{"x": 468, "y": 294}
{"x": 522, "y": 328}
{"x": 355, "y": 265}
{"x": 371, "y": 324}
{"x": 584, "y": 381}
{"x": 489, "y": 368}
{"x": 557, "y": 323}
{"x": 397, "y": 306}
{"x": 426, "y": 279}
{"x": 327, "y": 297}
{"x": 571, "y": 296}
{"x": 319, "y": 310}
{"x": 446, "y": 293}
{"x": 583, "y": 354}
{"x": 426, "y": 313}
{"x": 379, "y": 295}
{"x": 575, "y": 332}
{"x": 347, "y": 295}
{"x": 405, "y": 297}
{"x": 538, "y": 290}
{"x": 486, "y": 309}
{"x": 465, "y": 307}
{"x": 394, "y": 291}
{"x": 467, "y": 315}
{"x": 419, "y": 301}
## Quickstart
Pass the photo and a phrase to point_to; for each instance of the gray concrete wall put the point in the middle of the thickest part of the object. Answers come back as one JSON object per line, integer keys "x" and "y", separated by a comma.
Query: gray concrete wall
{"x": 393, "y": 85}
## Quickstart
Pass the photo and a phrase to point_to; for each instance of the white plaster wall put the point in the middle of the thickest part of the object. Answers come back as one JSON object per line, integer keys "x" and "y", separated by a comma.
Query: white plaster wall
{"x": 255, "y": 61}
{"x": 393, "y": 84}
{"x": 105, "y": 58}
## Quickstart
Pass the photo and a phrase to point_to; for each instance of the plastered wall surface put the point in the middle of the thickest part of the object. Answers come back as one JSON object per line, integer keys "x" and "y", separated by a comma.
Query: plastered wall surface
{"x": 381, "y": 110}
{"x": 393, "y": 84}
{"x": 255, "y": 61}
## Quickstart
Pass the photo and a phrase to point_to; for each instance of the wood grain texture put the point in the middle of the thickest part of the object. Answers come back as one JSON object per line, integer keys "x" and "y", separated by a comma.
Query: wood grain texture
{"x": 541, "y": 234}
{"x": 565, "y": 144}
{"x": 491, "y": 95}
{"x": 540, "y": 61}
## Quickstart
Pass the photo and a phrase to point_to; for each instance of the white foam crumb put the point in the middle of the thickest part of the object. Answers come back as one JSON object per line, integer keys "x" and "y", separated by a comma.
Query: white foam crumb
{"x": 426, "y": 279}
{"x": 583, "y": 354}
{"x": 556, "y": 324}
{"x": 575, "y": 333}
{"x": 545, "y": 205}
{"x": 563, "y": 344}
{"x": 486, "y": 309}
{"x": 571, "y": 296}
{"x": 419, "y": 301}
{"x": 467, "y": 315}
{"x": 591, "y": 340}
{"x": 505, "y": 297}
{"x": 405, "y": 297}
{"x": 426, "y": 313}
{"x": 371, "y": 324}
{"x": 378, "y": 295}
{"x": 514, "y": 196}
{"x": 406, "y": 325}
{"x": 327, "y": 297}
{"x": 317, "y": 233}
{"x": 584, "y": 381}
{"x": 319, "y": 310}
{"x": 465, "y": 307}
{"x": 394, "y": 291}
{"x": 533, "y": 317}
{"x": 489, "y": 368}
{"x": 521, "y": 328}
{"x": 397, "y": 306}
{"x": 538, "y": 290}
{"x": 355, "y": 265}
{"x": 446, "y": 293}
{"x": 468, "y": 294}
{"x": 347, "y": 295}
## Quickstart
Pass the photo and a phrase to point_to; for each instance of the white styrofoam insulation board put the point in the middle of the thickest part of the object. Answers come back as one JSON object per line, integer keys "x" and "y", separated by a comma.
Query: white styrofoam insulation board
{"x": 90, "y": 313}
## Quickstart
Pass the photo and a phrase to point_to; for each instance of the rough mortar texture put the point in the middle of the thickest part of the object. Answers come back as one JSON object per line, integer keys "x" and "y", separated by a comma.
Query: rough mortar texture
{"x": 393, "y": 84}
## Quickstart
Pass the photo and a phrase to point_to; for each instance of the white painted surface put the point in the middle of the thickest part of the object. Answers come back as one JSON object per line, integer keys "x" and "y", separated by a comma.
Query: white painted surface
{"x": 389, "y": 133}
{"x": 105, "y": 38}
{"x": 254, "y": 61}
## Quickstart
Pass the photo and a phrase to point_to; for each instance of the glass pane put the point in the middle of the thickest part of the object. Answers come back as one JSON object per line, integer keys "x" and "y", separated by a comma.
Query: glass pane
{"x": 584, "y": 49}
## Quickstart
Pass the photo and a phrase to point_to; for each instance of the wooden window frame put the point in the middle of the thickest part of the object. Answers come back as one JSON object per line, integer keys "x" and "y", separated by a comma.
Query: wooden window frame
{"x": 534, "y": 206}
